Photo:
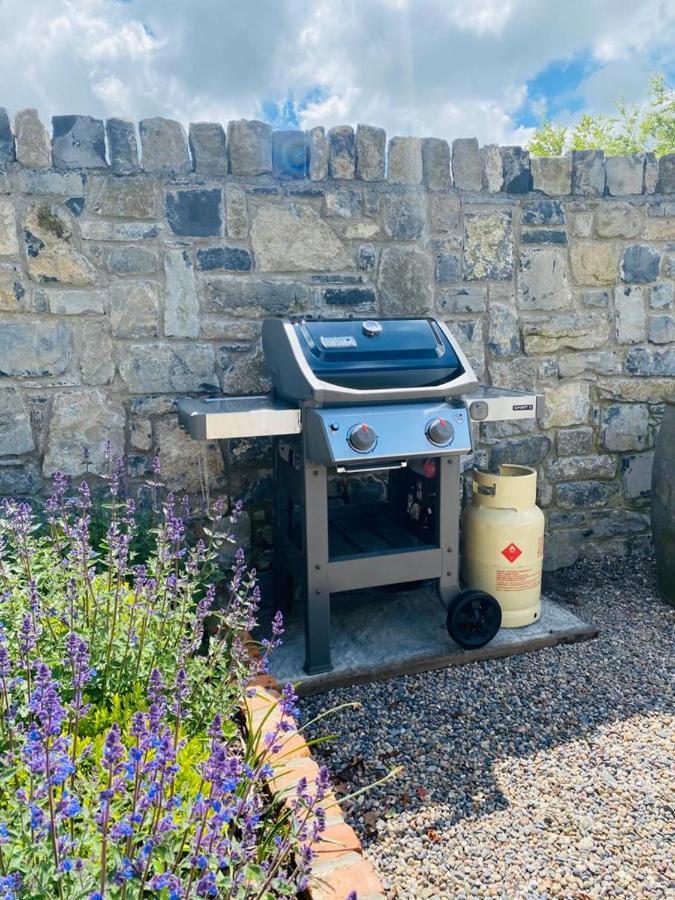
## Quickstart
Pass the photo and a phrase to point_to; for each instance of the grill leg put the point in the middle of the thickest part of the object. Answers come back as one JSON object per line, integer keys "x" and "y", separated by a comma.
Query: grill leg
{"x": 317, "y": 601}
{"x": 447, "y": 527}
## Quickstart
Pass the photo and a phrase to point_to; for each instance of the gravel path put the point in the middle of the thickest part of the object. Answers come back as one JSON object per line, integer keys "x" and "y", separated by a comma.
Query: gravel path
{"x": 545, "y": 775}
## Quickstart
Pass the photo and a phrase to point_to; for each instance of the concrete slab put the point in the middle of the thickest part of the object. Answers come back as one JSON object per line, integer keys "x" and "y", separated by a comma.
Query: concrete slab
{"x": 380, "y": 633}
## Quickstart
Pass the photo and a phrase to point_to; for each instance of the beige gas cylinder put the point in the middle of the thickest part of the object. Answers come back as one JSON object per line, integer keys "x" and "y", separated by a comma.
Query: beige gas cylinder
{"x": 503, "y": 533}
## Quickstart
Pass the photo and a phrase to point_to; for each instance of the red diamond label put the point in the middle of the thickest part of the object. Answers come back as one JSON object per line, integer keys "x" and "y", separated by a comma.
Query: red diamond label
{"x": 512, "y": 552}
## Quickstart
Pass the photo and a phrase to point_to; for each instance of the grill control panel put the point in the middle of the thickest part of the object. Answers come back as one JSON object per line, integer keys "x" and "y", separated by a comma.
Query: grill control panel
{"x": 402, "y": 431}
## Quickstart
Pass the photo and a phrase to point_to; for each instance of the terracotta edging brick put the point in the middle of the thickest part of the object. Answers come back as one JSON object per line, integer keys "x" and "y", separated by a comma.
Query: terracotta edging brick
{"x": 339, "y": 866}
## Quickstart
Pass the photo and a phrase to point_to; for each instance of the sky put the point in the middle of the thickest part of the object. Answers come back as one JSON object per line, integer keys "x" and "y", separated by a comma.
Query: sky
{"x": 446, "y": 68}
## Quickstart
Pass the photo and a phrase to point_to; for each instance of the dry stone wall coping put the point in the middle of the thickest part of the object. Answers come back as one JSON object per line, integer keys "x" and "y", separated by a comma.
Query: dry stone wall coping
{"x": 138, "y": 261}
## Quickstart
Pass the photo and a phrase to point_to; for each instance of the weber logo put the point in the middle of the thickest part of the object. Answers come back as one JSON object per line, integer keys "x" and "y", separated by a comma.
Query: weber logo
{"x": 518, "y": 407}
{"x": 333, "y": 342}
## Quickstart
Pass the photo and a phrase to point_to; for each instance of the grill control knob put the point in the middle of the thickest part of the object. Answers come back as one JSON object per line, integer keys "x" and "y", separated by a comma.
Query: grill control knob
{"x": 362, "y": 438}
{"x": 440, "y": 432}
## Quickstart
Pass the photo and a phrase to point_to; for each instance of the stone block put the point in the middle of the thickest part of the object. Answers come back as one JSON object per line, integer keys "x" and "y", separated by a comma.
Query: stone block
{"x": 521, "y": 451}
{"x": 64, "y": 183}
{"x": 581, "y": 468}
{"x": 503, "y": 333}
{"x": 661, "y": 229}
{"x": 552, "y": 175}
{"x": 543, "y": 236}
{"x": 50, "y": 256}
{"x": 158, "y": 368}
{"x": 596, "y": 298}
{"x": 586, "y": 494}
{"x": 350, "y": 296}
{"x": 164, "y": 149}
{"x": 636, "y": 475}
{"x": 236, "y": 212}
{"x": 651, "y": 173}
{"x": 122, "y": 146}
{"x": 83, "y": 419}
{"x": 289, "y": 154}
{"x": 617, "y": 521}
{"x": 542, "y": 212}
{"x": 629, "y": 315}
{"x": 75, "y": 205}
{"x": 134, "y": 309}
{"x": 404, "y": 281}
{"x": 566, "y": 404}
{"x": 617, "y": 220}
{"x": 543, "y": 281}
{"x": 126, "y": 198}
{"x": 573, "y": 331}
{"x": 296, "y": 239}
{"x": 317, "y": 151}
{"x": 9, "y": 244}
{"x": 12, "y": 288}
{"x": 666, "y": 183}
{"x": 467, "y": 165}
{"x": 195, "y": 213}
{"x": 5, "y": 184}
{"x": 574, "y": 441}
{"x": 662, "y": 329}
{"x": 637, "y": 390}
{"x": 182, "y": 468}
{"x": 404, "y": 214}
{"x": 93, "y": 230}
{"x": 342, "y": 152}
{"x": 244, "y": 372}
{"x": 594, "y": 263}
{"x": 405, "y": 160}
{"x": 447, "y": 267}
{"x": 600, "y": 362}
{"x": 125, "y": 260}
{"x": 16, "y": 435}
{"x": 6, "y": 139}
{"x": 488, "y": 245}
{"x": 640, "y": 264}
{"x": 661, "y": 295}
{"x": 625, "y": 427}
{"x": 370, "y": 152}
{"x": 233, "y": 259}
{"x": 206, "y": 141}
{"x": 469, "y": 334}
{"x": 588, "y": 172}
{"x": 250, "y": 298}
{"x": 444, "y": 216}
{"x": 625, "y": 175}
{"x": 436, "y": 164}
{"x": 181, "y": 302}
{"x": 32, "y": 140}
{"x": 467, "y": 298}
{"x": 645, "y": 361}
{"x": 94, "y": 347}
{"x": 516, "y": 169}
{"x": 75, "y": 303}
{"x": 78, "y": 142}
{"x": 561, "y": 549}
{"x": 347, "y": 205}
{"x": 493, "y": 168}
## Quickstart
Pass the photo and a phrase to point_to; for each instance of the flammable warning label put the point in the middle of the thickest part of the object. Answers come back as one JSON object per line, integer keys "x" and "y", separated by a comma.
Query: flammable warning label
{"x": 512, "y": 552}
{"x": 517, "y": 579}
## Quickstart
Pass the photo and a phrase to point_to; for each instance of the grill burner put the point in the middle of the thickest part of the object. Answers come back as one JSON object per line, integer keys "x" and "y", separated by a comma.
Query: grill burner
{"x": 394, "y": 396}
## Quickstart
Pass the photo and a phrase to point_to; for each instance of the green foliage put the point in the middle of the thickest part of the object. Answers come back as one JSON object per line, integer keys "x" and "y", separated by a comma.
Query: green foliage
{"x": 633, "y": 129}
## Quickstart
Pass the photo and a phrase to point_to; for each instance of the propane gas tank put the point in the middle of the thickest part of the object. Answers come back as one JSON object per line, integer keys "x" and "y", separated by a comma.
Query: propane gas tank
{"x": 503, "y": 534}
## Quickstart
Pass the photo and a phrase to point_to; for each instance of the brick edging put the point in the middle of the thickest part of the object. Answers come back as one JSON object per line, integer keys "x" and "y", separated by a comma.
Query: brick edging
{"x": 339, "y": 866}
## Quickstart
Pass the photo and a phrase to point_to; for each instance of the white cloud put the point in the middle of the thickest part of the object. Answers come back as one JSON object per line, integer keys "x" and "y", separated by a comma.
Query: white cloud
{"x": 445, "y": 67}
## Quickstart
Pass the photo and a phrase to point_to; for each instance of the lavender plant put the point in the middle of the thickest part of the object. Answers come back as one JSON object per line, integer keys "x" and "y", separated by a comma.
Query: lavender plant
{"x": 124, "y": 768}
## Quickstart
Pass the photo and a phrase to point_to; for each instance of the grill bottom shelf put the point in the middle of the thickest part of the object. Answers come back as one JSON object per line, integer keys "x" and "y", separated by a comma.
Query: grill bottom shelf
{"x": 361, "y": 530}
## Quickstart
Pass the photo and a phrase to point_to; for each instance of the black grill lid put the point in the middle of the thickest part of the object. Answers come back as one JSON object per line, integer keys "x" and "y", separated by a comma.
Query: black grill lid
{"x": 378, "y": 354}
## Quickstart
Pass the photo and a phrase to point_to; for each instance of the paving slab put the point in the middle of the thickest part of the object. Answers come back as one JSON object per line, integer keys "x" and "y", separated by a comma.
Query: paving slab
{"x": 382, "y": 633}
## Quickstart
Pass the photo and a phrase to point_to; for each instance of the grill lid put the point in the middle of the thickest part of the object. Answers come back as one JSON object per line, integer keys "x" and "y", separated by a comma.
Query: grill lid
{"x": 378, "y": 354}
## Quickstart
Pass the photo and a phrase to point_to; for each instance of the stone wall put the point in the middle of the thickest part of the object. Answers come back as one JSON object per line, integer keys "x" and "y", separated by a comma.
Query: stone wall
{"x": 124, "y": 284}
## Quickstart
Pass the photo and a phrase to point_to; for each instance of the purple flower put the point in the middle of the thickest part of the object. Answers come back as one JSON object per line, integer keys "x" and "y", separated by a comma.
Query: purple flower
{"x": 113, "y": 751}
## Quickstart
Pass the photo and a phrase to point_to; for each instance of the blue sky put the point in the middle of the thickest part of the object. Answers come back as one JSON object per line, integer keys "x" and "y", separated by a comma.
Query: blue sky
{"x": 451, "y": 68}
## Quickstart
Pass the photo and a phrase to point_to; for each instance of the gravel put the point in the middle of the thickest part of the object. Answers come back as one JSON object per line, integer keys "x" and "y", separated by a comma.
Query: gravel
{"x": 546, "y": 775}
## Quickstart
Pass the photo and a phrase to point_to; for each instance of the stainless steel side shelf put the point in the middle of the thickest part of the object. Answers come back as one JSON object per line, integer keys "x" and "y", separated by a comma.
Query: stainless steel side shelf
{"x": 495, "y": 404}
{"x": 217, "y": 418}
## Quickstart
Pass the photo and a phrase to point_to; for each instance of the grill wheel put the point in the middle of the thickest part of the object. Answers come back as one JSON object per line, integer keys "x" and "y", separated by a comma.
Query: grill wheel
{"x": 474, "y": 618}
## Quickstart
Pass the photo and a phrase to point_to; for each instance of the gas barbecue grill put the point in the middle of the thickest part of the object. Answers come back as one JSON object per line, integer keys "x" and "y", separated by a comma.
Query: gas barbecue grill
{"x": 392, "y": 396}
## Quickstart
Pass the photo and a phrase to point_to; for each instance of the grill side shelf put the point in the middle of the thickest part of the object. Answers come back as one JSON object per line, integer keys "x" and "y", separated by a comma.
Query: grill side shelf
{"x": 494, "y": 404}
{"x": 221, "y": 418}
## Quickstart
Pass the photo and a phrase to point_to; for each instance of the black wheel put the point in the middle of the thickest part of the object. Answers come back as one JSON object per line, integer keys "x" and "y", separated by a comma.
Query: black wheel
{"x": 473, "y": 619}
